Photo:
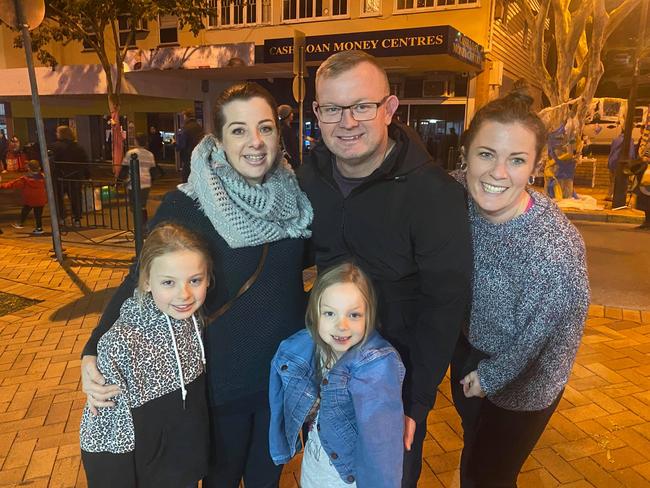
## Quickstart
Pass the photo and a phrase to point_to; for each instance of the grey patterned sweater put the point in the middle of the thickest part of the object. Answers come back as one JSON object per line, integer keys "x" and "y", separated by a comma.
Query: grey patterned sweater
{"x": 137, "y": 354}
{"x": 530, "y": 300}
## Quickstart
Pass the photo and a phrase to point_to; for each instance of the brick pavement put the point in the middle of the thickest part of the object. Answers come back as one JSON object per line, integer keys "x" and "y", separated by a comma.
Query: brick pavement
{"x": 599, "y": 437}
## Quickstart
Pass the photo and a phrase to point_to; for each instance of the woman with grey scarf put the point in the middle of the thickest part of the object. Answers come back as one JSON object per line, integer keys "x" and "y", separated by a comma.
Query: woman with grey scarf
{"x": 244, "y": 200}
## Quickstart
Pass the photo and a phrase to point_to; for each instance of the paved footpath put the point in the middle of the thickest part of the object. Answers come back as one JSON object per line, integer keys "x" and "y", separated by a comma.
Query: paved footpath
{"x": 599, "y": 437}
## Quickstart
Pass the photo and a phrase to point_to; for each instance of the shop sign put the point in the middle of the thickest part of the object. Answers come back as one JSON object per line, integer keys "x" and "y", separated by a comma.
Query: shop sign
{"x": 404, "y": 42}
{"x": 465, "y": 49}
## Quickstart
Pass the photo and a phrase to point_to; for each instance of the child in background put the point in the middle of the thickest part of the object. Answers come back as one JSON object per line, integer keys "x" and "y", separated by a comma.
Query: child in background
{"x": 157, "y": 433}
{"x": 34, "y": 196}
{"x": 343, "y": 380}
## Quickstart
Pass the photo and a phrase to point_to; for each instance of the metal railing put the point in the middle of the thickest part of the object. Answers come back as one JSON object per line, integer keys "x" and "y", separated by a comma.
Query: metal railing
{"x": 89, "y": 198}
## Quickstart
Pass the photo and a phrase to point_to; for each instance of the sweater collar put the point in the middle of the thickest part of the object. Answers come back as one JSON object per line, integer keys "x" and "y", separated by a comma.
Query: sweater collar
{"x": 541, "y": 205}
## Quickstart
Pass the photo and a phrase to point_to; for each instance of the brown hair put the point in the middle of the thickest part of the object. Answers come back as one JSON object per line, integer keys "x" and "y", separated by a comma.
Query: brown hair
{"x": 344, "y": 61}
{"x": 165, "y": 238}
{"x": 511, "y": 109}
{"x": 64, "y": 133}
{"x": 141, "y": 139}
{"x": 34, "y": 166}
{"x": 241, "y": 91}
{"x": 342, "y": 273}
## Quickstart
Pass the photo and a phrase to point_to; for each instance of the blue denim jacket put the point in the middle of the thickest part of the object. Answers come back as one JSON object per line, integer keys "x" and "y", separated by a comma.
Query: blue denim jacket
{"x": 361, "y": 418}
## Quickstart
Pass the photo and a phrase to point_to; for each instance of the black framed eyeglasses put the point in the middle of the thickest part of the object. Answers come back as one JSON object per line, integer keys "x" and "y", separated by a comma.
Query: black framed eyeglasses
{"x": 362, "y": 111}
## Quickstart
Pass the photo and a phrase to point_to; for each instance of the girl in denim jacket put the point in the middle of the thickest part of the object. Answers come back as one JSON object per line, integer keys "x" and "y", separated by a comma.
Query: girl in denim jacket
{"x": 342, "y": 380}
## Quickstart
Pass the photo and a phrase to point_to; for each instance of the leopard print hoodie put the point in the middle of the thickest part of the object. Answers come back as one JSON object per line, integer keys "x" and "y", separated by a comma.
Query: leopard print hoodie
{"x": 145, "y": 352}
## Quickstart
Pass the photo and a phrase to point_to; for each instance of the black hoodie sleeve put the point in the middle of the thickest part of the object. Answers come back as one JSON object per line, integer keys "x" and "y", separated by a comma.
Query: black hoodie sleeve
{"x": 443, "y": 252}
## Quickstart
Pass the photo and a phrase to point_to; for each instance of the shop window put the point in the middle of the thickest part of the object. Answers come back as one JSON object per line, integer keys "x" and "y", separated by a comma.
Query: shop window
{"x": 313, "y": 9}
{"x": 438, "y": 86}
{"x": 411, "y": 5}
{"x": 168, "y": 25}
{"x": 231, "y": 13}
{"x": 434, "y": 88}
{"x": 125, "y": 28}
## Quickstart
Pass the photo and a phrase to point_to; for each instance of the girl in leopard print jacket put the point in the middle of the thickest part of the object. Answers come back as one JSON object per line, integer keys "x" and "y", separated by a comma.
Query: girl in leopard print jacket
{"x": 157, "y": 433}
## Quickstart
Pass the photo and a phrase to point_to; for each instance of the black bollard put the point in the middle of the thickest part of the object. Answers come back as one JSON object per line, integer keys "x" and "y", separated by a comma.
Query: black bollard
{"x": 134, "y": 170}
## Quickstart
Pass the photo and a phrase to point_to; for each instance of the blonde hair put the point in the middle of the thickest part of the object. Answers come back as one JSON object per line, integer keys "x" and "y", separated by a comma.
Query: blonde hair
{"x": 342, "y": 273}
{"x": 166, "y": 238}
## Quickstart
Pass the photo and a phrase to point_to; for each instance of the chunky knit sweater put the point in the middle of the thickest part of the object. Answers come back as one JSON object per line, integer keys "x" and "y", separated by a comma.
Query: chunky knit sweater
{"x": 530, "y": 301}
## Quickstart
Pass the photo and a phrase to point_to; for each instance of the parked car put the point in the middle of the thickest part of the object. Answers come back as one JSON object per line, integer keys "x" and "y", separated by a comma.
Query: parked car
{"x": 605, "y": 119}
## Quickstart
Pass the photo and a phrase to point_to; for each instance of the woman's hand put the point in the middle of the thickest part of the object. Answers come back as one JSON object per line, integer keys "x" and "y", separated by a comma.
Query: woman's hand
{"x": 94, "y": 385}
{"x": 472, "y": 385}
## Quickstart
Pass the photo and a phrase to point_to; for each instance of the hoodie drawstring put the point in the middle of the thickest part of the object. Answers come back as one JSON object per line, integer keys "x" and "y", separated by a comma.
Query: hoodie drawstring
{"x": 178, "y": 358}
{"x": 198, "y": 338}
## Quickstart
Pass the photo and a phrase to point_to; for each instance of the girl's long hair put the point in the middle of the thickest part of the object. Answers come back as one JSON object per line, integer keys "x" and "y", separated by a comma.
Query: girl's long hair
{"x": 342, "y": 273}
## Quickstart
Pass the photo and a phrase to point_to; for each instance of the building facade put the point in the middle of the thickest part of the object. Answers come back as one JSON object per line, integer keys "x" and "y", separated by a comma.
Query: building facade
{"x": 443, "y": 57}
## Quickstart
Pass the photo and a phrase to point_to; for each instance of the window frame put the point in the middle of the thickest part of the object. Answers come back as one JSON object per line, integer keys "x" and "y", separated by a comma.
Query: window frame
{"x": 142, "y": 25}
{"x": 436, "y": 8}
{"x": 160, "y": 29}
{"x": 300, "y": 20}
{"x": 89, "y": 48}
{"x": 259, "y": 15}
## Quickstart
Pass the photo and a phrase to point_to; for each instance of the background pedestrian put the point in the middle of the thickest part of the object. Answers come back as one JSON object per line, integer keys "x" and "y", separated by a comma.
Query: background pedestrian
{"x": 187, "y": 140}
{"x": 34, "y": 196}
{"x": 289, "y": 136}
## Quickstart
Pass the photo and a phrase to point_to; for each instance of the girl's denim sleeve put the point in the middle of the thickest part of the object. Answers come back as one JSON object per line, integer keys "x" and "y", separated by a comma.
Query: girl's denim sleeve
{"x": 376, "y": 391}
{"x": 278, "y": 444}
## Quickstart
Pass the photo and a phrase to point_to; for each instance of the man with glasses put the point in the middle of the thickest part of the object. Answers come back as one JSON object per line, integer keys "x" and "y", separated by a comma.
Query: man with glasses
{"x": 379, "y": 201}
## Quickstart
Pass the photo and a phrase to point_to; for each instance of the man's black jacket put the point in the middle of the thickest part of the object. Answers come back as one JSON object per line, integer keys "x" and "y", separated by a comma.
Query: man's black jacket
{"x": 406, "y": 226}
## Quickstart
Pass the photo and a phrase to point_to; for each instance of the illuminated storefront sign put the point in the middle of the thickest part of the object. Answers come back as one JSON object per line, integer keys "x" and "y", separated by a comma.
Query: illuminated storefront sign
{"x": 425, "y": 40}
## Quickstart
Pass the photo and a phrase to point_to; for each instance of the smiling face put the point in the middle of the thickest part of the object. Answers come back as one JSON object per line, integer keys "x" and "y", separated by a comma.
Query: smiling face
{"x": 250, "y": 138}
{"x": 500, "y": 160}
{"x": 178, "y": 282}
{"x": 359, "y": 147}
{"x": 342, "y": 319}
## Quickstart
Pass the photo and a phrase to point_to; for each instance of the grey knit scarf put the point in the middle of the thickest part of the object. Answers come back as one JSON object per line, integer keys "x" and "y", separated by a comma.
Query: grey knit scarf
{"x": 242, "y": 214}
